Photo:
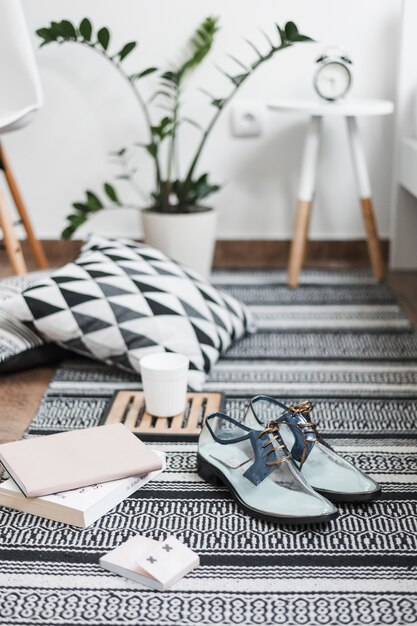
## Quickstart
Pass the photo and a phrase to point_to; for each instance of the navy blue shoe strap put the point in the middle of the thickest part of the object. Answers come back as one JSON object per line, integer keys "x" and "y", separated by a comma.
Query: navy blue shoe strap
{"x": 269, "y": 399}
{"x": 227, "y": 440}
{"x": 304, "y": 431}
{"x": 265, "y": 444}
{"x": 263, "y": 447}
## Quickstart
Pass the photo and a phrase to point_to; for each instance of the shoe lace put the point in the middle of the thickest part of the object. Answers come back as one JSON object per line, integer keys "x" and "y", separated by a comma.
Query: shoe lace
{"x": 273, "y": 429}
{"x": 307, "y": 428}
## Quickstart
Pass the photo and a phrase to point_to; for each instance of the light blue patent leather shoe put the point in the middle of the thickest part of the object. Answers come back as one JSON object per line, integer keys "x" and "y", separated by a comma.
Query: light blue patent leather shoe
{"x": 257, "y": 468}
{"x": 323, "y": 468}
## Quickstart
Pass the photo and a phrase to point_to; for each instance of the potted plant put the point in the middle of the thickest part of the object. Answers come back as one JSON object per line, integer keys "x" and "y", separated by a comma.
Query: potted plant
{"x": 175, "y": 216}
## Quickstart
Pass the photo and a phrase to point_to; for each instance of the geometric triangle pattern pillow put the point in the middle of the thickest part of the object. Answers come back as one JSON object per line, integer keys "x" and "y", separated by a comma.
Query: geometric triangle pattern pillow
{"x": 121, "y": 300}
{"x": 20, "y": 347}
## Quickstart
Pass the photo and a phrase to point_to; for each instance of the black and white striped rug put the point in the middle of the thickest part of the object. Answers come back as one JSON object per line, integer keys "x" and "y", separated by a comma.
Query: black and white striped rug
{"x": 339, "y": 340}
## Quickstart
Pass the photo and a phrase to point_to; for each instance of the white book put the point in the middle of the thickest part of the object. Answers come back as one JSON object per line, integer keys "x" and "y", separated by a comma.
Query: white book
{"x": 156, "y": 564}
{"x": 78, "y": 507}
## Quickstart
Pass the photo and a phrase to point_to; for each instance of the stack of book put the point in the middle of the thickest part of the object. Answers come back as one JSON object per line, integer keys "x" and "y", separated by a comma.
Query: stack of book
{"x": 78, "y": 476}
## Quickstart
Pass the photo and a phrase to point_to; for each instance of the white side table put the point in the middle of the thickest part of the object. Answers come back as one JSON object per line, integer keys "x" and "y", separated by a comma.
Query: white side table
{"x": 317, "y": 109}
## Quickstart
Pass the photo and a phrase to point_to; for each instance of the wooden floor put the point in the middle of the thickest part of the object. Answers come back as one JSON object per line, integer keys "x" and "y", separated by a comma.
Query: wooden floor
{"x": 20, "y": 394}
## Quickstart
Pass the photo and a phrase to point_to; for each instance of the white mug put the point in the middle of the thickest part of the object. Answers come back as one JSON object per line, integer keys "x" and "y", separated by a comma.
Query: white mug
{"x": 164, "y": 378}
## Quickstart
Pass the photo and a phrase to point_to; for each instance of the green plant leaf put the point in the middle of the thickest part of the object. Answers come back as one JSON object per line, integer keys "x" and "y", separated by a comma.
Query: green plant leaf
{"x": 152, "y": 148}
{"x": 111, "y": 193}
{"x": 127, "y": 49}
{"x": 163, "y": 129}
{"x": 218, "y": 102}
{"x": 291, "y": 34}
{"x": 161, "y": 92}
{"x": 291, "y": 31}
{"x": 197, "y": 190}
{"x": 103, "y": 37}
{"x": 268, "y": 39}
{"x": 118, "y": 153}
{"x": 254, "y": 48}
{"x": 170, "y": 78}
{"x": 300, "y": 38}
{"x": 76, "y": 220}
{"x": 81, "y": 207}
{"x": 69, "y": 29}
{"x": 138, "y": 75}
{"x": 56, "y": 29}
{"x": 200, "y": 44}
{"x": 93, "y": 202}
{"x": 68, "y": 232}
{"x": 238, "y": 79}
{"x": 189, "y": 120}
{"x": 46, "y": 35}
{"x": 43, "y": 33}
{"x": 86, "y": 29}
{"x": 238, "y": 62}
{"x": 281, "y": 33}
{"x": 206, "y": 93}
{"x": 83, "y": 210}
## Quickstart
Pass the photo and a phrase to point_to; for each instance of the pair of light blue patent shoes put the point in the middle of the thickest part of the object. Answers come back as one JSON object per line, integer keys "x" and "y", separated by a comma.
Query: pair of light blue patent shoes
{"x": 277, "y": 466}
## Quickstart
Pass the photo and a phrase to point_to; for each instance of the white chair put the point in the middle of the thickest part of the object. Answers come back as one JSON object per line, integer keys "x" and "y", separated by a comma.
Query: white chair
{"x": 20, "y": 98}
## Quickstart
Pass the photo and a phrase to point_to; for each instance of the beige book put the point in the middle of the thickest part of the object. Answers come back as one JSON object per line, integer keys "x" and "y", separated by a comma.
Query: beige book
{"x": 55, "y": 463}
{"x": 79, "y": 507}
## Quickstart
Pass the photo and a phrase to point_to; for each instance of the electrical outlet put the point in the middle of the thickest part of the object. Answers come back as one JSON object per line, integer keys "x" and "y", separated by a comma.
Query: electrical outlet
{"x": 247, "y": 119}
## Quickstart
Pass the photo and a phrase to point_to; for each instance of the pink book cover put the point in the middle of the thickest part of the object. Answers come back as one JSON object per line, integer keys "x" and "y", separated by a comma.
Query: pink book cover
{"x": 70, "y": 460}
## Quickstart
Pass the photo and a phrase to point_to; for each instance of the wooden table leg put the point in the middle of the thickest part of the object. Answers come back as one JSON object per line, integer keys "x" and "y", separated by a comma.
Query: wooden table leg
{"x": 374, "y": 245}
{"x": 305, "y": 200}
{"x": 364, "y": 187}
{"x": 11, "y": 243}
{"x": 34, "y": 243}
{"x": 299, "y": 242}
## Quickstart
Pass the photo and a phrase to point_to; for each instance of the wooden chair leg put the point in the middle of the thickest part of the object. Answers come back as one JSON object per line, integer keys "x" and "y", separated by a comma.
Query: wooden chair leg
{"x": 34, "y": 243}
{"x": 299, "y": 242}
{"x": 374, "y": 245}
{"x": 11, "y": 243}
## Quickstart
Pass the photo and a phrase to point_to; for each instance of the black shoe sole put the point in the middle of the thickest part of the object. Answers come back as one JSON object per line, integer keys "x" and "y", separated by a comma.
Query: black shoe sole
{"x": 213, "y": 475}
{"x": 334, "y": 496}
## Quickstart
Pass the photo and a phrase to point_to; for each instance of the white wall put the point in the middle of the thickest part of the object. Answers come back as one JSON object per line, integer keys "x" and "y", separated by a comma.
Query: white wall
{"x": 89, "y": 111}
{"x": 403, "y": 250}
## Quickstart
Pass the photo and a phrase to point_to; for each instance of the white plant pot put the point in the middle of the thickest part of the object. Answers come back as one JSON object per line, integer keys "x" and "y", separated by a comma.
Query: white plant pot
{"x": 188, "y": 238}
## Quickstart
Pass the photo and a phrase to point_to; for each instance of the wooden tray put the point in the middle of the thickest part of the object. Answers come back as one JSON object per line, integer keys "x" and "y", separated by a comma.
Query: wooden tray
{"x": 128, "y": 407}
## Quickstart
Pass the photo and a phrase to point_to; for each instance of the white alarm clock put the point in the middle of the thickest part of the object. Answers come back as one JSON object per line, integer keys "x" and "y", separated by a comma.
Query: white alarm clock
{"x": 333, "y": 77}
